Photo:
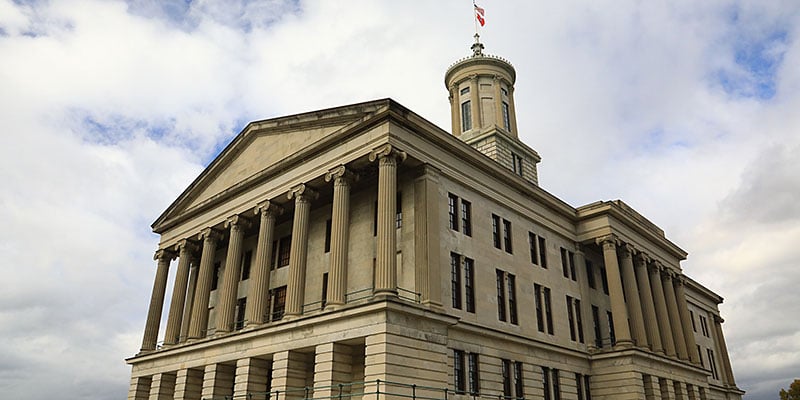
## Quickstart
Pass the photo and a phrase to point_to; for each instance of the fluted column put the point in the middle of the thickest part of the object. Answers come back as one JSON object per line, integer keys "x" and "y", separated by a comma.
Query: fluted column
{"x": 686, "y": 320}
{"x": 199, "y": 323}
{"x": 723, "y": 348}
{"x": 620, "y": 313}
{"x": 674, "y": 316}
{"x": 583, "y": 281}
{"x": 632, "y": 291}
{"x": 226, "y": 307}
{"x": 475, "y": 99}
{"x": 194, "y": 270}
{"x": 386, "y": 257}
{"x": 175, "y": 318}
{"x": 258, "y": 297}
{"x": 295, "y": 290}
{"x": 156, "y": 300}
{"x": 498, "y": 103}
{"x": 340, "y": 226}
{"x": 648, "y": 305}
{"x": 512, "y": 110}
{"x": 662, "y": 315}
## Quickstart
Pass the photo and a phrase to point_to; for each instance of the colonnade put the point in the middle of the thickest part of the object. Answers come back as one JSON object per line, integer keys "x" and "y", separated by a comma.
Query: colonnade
{"x": 188, "y": 312}
{"x": 648, "y": 302}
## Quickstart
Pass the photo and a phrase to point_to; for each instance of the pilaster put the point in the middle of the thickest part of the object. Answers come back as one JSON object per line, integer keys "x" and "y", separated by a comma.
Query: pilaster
{"x": 218, "y": 381}
{"x": 426, "y": 236}
{"x": 251, "y": 377}
{"x": 333, "y": 367}
{"x": 189, "y": 384}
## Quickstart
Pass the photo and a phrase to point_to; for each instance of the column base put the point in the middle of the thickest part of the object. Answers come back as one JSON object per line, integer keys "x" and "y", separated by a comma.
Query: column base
{"x": 384, "y": 293}
{"x": 623, "y": 345}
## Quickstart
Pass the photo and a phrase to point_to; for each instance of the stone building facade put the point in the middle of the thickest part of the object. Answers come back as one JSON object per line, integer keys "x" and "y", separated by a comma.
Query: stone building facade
{"x": 363, "y": 252}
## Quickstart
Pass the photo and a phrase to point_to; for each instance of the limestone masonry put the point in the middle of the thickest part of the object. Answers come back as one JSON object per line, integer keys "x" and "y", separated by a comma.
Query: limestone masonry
{"x": 361, "y": 252}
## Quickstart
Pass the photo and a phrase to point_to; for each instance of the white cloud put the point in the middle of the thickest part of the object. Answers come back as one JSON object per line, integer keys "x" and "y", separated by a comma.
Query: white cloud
{"x": 109, "y": 109}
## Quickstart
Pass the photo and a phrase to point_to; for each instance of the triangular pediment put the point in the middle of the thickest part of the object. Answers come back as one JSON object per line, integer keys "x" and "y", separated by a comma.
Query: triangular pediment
{"x": 264, "y": 144}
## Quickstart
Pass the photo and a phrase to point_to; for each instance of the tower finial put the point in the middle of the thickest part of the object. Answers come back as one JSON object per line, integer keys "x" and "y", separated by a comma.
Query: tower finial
{"x": 477, "y": 47}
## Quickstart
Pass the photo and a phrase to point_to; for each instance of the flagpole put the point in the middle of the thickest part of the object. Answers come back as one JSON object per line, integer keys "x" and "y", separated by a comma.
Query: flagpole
{"x": 474, "y": 19}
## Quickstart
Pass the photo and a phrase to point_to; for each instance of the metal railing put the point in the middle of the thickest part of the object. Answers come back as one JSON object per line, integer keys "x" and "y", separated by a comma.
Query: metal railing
{"x": 374, "y": 390}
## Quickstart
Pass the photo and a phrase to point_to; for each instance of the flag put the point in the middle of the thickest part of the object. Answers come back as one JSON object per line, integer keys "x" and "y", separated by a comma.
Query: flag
{"x": 479, "y": 14}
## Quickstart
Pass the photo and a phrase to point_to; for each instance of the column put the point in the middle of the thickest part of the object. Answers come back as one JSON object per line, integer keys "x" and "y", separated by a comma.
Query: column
{"x": 513, "y": 111}
{"x": 233, "y": 268}
{"x": 174, "y": 320}
{"x": 674, "y": 316}
{"x": 620, "y": 313}
{"x": 295, "y": 290}
{"x": 332, "y": 366}
{"x": 218, "y": 381}
{"x": 340, "y": 227}
{"x": 586, "y": 305}
{"x": 251, "y": 377}
{"x": 498, "y": 103}
{"x": 662, "y": 315}
{"x": 633, "y": 303}
{"x": 648, "y": 306}
{"x": 140, "y": 388}
{"x": 162, "y": 386}
{"x": 258, "y": 298}
{"x": 189, "y": 384}
{"x": 199, "y": 323}
{"x": 686, "y": 320}
{"x": 156, "y": 300}
{"x": 475, "y": 99}
{"x": 426, "y": 236}
{"x": 455, "y": 110}
{"x": 187, "y": 311}
{"x": 723, "y": 348}
{"x": 386, "y": 257}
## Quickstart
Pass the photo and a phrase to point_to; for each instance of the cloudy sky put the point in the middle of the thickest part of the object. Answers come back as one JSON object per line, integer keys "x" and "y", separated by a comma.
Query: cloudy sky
{"x": 687, "y": 110}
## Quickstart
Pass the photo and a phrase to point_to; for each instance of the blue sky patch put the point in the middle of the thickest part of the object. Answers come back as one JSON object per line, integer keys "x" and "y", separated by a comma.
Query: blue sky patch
{"x": 756, "y": 62}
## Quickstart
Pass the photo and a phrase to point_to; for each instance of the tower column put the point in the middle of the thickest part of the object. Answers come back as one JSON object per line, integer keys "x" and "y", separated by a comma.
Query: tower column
{"x": 386, "y": 260}
{"x": 633, "y": 303}
{"x": 686, "y": 320}
{"x": 475, "y": 99}
{"x": 340, "y": 227}
{"x": 674, "y": 316}
{"x": 259, "y": 279}
{"x": 163, "y": 257}
{"x": 618, "y": 309}
{"x": 176, "y": 306}
{"x": 648, "y": 306}
{"x": 295, "y": 290}
{"x": 662, "y": 314}
{"x": 233, "y": 267}
{"x": 199, "y": 323}
{"x": 512, "y": 110}
{"x": 498, "y": 103}
{"x": 455, "y": 110}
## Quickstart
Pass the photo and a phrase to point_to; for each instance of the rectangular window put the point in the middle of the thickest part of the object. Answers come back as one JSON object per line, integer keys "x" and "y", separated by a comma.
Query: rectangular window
{"x": 215, "y": 275}
{"x": 324, "y": 300}
{"x": 278, "y": 296}
{"x": 700, "y": 355}
{"x": 564, "y": 266}
{"x": 590, "y": 274}
{"x": 284, "y": 251}
{"x": 534, "y": 253}
{"x": 455, "y": 279}
{"x": 548, "y": 310}
{"x": 556, "y": 384}
{"x": 466, "y": 217}
{"x": 506, "y": 117}
{"x": 579, "y": 320}
{"x": 611, "y": 334}
{"x": 604, "y": 279}
{"x": 240, "y": 309}
{"x": 512, "y": 299}
{"x": 598, "y": 335}
{"x": 586, "y": 388}
{"x": 504, "y": 91}
{"x": 542, "y": 252}
{"x": 501, "y": 295}
{"x": 247, "y": 260}
{"x": 506, "y": 371}
{"x": 571, "y": 319}
{"x": 474, "y": 375}
{"x": 548, "y": 387}
{"x": 694, "y": 326}
{"x": 458, "y": 371}
{"x": 537, "y": 298}
{"x": 465, "y": 90}
{"x": 328, "y": 236}
{"x": 517, "y": 163}
{"x": 452, "y": 207}
{"x": 579, "y": 385}
{"x": 469, "y": 284}
{"x": 704, "y": 325}
{"x": 496, "y": 231}
{"x": 507, "y": 235}
{"x": 712, "y": 363}
{"x": 466, "y": 116}
{"x": 571, "y": 259}
{"x": 519, "y": 384}
{"x": 398, "y": 217}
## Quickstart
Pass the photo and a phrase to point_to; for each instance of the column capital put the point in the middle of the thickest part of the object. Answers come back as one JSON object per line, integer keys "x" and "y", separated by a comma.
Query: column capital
{"x": 164, "y": 255}
{"x": 608, "y": 240}
{"x": 302, "y": 192}
{"x": 578, "y": 248}
{"x": 186, "y": 245}
{"x": 235, "y": 221}
{"x": 387, "y": 151}
{"x": 473, "y": 77}
{"x": 210, "y": 234}
{"x": 341, "y": 175}
{"x": 267, "y": 207}
{"x": 627, "y": 250}
{"x": 717, "y": 318}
